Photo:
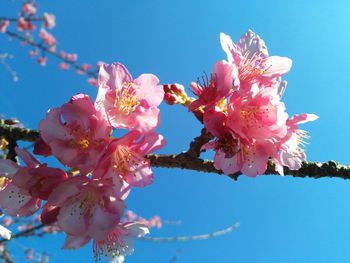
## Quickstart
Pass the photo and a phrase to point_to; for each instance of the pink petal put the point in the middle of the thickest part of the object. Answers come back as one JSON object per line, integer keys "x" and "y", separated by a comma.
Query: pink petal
{"x": 149, "y": 90}
{"x": 75, "y": 242}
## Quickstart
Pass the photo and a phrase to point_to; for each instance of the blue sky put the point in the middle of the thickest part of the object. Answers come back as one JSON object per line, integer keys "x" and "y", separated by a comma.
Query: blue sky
{"x": 282, "y": 219}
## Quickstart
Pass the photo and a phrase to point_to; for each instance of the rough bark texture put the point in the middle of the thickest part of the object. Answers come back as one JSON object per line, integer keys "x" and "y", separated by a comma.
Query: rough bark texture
{"x": 189, "y": 160}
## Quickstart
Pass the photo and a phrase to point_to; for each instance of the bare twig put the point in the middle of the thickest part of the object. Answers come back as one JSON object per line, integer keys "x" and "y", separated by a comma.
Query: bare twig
{"x": 193, "y": 238}
{"x": 51, "y": 52}
{"x": 27, "y": 232}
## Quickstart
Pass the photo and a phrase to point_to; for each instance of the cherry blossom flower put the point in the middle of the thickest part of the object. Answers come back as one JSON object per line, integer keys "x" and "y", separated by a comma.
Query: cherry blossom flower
{"x": 24, "y": 24}
{"x": 129, "y": 103}
{"x": 42, "y": 61}
{"x": 14, "y": 200}
{"x": 93, "y": 82}
{"x": 29, "y": 9}
{"x": 79, "y": 140}
{"x": 63, "y": 66}
{"x": 291, "y": 152}
{"x": 125, "y": 157}
{"x": 49, "y": 20}
{"x": 251, "y": 58}
{"x": 88, "y": 207}
{"x": 120, "y": 242}
{"x": 258, "y": 115}
{"x": 48, "y": 38}
{"x": 175, "y": 94}
{"x": 3, "y": 25}
{"x": 218, "y": 87}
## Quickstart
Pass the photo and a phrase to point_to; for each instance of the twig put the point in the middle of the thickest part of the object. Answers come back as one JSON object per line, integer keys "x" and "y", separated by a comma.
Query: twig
{"x": 193, "y": 238}
{"x": 23, "y": 233}
{"x": 315, "y": 170}
{"x": 48, "y": 50}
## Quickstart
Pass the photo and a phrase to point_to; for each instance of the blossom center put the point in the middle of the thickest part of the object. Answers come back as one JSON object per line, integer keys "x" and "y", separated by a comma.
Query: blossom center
{"x": 252, "y": 67}
{"x": 125, "y": 99}
{"x": 125, "y": 160}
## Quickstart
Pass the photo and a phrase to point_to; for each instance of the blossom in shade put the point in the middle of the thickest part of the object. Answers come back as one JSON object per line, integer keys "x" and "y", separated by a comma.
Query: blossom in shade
{"x": 88, "y": 207}
{"x": 49, "y": 20}
{"x": 215, "y": 88}
{"x": 252, "y": 60}
{"x": 14, "y": 200}
{"x": 126, "y": 102}
{"x": 124, "y": 158}
{"x": 120, "y": 241}
{"x": 3, "y": 25}
{"x": 76, "y": 133}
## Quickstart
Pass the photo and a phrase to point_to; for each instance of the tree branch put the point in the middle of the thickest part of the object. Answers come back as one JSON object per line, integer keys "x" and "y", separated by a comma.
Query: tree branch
{"x": 184, "y": 161}
{"x": 27, "y": 232}
{"x": 193, "y": 238}
{"x": 48, "y": 50}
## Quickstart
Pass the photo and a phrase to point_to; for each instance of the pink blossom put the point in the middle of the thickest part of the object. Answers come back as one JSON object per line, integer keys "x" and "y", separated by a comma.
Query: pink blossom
{"x": 93, "y": 82}
{"x": 33, "y": 53}
{"x": 251, "y": 58}
{"x": 125, "y": 157}
{"x": 120, "y": 242}
{"x": 3, "y": 25}
{"x": 29, "y": 9}
{"x": 24, "y": 24}
{"x": 88, "y": 207}
{"x": 291, "y": 152}
{"x": 175, "y": 94}
{"x": 29, "y": 254}
{"x": 71, "y": 57}
{"x": 258, "y": 115}
{"x": 84, "y": 68}
{"x": 41, "y": 148}
{"x": 48, "y": 38}
{"x": 213, "y": 90}
{"x": 63, "y": 66}
{"x": 7, "y": 221}
{"x": 39, "y": 181}
{"x": 49, "y": 20}
{"x": 81, "y": 138}
{"x": 129, "y": 103}
{"x": 42, "y": 61}
{"x": 14, "y": 200}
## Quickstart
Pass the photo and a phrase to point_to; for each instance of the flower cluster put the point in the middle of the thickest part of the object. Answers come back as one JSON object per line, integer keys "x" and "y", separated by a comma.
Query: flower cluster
{"x": 242, "y": 108}
{"x": 87, "y": 201}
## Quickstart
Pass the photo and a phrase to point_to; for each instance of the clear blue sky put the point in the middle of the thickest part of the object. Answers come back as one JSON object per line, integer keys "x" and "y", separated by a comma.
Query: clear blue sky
{"x": 283, "y": 219}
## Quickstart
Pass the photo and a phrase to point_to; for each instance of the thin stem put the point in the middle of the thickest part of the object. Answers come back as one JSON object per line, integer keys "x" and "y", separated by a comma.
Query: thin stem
{"x": 27, "y": 232}
{"x": 49, "y": 51}
{"x": 194, "y": 237}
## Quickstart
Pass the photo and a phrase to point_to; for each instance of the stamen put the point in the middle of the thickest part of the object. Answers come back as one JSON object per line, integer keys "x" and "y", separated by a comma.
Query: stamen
{"x": 126, "y": 101}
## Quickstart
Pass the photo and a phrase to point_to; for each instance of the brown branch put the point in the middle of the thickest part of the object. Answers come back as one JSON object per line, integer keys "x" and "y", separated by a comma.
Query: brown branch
{"x": 198, "y": 142}
{"x": 184, "y": 161}
{"x": 27, "y": 232}
{"x": 5, "y": 256}
{"x": 48, "y": 50}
